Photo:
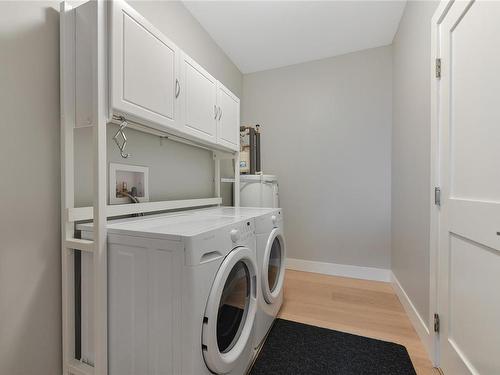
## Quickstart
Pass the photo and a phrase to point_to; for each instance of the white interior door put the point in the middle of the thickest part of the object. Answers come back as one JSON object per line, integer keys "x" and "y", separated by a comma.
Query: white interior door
{"x": 469, "y": 234}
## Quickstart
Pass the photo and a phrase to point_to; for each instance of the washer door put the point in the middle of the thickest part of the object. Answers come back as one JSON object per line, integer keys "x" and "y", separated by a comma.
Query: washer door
{"x": 273, "y": 268}
{"x": 230, "y": 311}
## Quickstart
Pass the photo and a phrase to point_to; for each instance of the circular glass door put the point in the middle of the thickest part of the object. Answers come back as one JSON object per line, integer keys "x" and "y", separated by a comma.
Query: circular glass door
{"x": 233, "y": 307}
{"x": 230, "y": 311}
{"x": 274, "y": 264}
{"x": 273, "y": 271}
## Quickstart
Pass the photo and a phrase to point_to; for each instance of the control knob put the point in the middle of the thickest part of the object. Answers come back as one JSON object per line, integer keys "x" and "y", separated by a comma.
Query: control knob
{"x": 235, "y": 235}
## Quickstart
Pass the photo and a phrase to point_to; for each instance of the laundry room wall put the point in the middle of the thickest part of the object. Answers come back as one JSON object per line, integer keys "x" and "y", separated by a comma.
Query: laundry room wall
{"x": 30, "y": 278}
{"x": 176, "y": 171}
{"x": 411, "y": 190}
{"x": 326, "y": 133}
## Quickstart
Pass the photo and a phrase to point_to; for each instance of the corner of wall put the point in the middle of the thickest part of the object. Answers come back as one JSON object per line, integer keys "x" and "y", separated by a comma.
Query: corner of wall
{"x": 416, "y": 319}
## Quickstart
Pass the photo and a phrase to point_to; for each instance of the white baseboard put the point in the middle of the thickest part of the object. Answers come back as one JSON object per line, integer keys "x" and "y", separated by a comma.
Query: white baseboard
{"x": 415, "y": 318}
{"x": 345, "y": 270}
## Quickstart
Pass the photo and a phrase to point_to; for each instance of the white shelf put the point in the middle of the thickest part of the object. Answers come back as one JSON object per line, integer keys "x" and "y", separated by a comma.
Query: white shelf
{"x": 87, "y": 213}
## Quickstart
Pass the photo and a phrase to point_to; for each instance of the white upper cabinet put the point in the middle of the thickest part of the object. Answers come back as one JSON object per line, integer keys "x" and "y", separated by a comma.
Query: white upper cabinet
{"x": 198, "y": 100}
{"x": 154, "y": 83}
{"x": 144, "y": 70}
{"x": 228, "y": 117}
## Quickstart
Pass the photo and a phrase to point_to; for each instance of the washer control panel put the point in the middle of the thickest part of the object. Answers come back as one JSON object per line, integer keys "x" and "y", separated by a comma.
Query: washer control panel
{"x": 243, "y": 231}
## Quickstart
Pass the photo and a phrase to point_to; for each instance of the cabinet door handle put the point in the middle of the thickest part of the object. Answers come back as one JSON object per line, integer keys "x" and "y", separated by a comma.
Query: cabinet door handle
{"x": 215, "y": 112}
{"x": 220, "y": 113}
{"x": 177, "y": 88}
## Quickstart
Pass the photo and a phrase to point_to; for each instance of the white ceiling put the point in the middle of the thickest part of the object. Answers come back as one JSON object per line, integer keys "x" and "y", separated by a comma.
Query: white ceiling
{"x": 261, "y": 35}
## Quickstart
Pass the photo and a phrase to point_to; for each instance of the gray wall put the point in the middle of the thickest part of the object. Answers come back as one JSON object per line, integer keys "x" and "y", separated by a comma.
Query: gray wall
{"x": 30, "y": 278}
{"x": 326, "y": 129}
{"x": 411, "y": 153}
{"x": 176, "y": 171}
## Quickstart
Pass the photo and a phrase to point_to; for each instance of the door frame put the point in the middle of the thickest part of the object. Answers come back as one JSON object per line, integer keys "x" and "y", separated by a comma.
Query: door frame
{"x": 437, "y": 19}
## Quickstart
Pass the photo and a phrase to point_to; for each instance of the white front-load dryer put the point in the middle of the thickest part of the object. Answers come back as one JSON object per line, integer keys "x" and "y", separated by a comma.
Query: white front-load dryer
{"x": 271, "y": 255}
{"x": 182, "y": 295}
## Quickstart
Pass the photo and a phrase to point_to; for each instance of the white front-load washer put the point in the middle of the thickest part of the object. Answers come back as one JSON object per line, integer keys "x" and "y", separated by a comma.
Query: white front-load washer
{"x": 271, "y": 255}
{"x": 182, "y": 295}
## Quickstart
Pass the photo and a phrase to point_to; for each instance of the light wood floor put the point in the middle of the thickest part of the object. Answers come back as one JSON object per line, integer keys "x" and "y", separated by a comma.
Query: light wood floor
{"x": 366, "y": 308}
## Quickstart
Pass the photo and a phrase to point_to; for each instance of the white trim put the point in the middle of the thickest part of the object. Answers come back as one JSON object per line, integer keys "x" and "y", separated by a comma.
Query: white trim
{"x": 416, "y": 319}
{"x": 79, "y": 244}
{"x": 79, "y": 368}
{"x": 100, "y": 258}
{"x": 441, "y": 11}
{"x": 216, "y": 175}
{"x": 67, "y": 82}
{"x": 236, "y": 186}
{"x": 334, "y": 269}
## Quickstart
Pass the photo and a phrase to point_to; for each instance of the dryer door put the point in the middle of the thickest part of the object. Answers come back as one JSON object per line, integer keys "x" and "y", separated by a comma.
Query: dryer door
{"x": 230, "y": 311}
{"x": 273, "y": 267}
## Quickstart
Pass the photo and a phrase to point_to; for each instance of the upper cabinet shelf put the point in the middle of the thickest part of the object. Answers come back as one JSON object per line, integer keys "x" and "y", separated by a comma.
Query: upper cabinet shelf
{"x": 152, "y": 82}
{"x": 228, "y": 116}
{"x": 144, "y": 69}
{"x": 198, "y": 97}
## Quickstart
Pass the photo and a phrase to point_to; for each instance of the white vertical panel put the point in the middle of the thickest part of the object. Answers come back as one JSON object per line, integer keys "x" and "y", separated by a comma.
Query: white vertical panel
{"x": 475, "y": 116}
{"x": 100, "y": 95}
{"x": 128, "y": 307}
{"x": 160, "y": 311}
{"x": 67, "y": 74}
{"x": 217, "y": 176}
{"x": 85, "y": 24}
{"x": 236, "y": 180}
{"x": 474, "y": 297}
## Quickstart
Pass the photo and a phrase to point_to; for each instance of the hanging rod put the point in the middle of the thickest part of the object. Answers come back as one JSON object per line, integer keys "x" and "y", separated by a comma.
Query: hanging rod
{"x": 118, "y": 119}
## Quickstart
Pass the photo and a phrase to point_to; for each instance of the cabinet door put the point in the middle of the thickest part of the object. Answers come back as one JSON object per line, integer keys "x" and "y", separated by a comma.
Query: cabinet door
{"x": 198, "y": 93}
{"x": 144, "y": 65}
{"x": 228, "y": 130}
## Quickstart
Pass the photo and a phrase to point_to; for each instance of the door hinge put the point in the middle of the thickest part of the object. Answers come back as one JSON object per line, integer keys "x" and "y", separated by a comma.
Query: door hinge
{"x": 436, "y": 323}
{"x": 438, "y": 68}
{"x": 437, "y": 196}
